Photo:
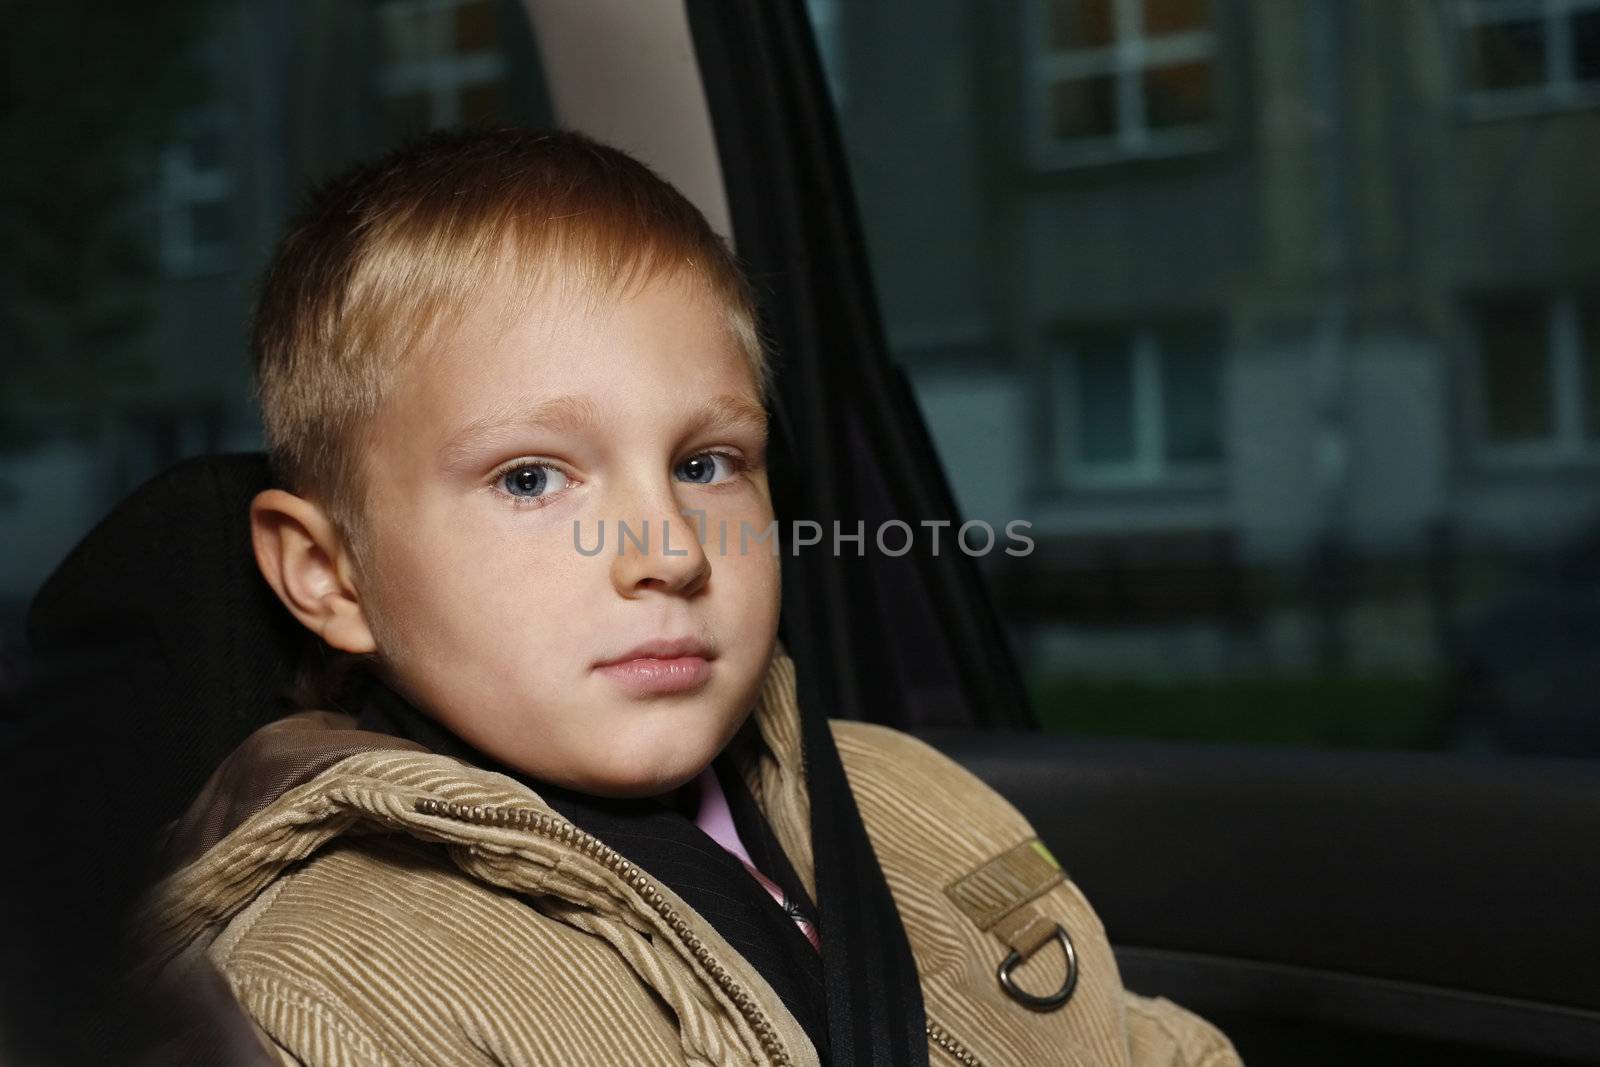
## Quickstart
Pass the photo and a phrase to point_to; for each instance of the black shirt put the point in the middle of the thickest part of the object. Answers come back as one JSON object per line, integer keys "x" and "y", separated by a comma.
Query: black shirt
{"x": 667, "y": 844}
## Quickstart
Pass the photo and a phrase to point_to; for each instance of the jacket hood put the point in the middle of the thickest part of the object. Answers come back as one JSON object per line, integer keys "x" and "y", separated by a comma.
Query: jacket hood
{"x": 299, "y": 784}
{"x": 272, "y": 761}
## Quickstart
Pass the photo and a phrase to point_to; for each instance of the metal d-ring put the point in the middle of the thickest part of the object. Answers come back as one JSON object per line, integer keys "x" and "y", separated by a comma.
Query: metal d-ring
{"x": 1029, "y": 1000}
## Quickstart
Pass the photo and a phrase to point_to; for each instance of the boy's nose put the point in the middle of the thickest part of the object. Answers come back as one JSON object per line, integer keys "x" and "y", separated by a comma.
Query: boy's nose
{"x": 660, "y": 551}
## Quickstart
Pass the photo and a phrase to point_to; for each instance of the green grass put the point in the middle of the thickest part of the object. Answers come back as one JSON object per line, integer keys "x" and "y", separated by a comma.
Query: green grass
{"x": 1337, "y": 711}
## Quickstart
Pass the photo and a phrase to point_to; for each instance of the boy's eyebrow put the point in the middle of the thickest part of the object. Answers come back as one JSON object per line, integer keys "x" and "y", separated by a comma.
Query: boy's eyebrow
{"x": 727, "y": 412}
{"x": 561, "y": 414}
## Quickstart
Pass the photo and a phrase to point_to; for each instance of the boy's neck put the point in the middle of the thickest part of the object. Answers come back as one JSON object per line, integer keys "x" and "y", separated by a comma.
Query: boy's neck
{"x": 685, "y": 798}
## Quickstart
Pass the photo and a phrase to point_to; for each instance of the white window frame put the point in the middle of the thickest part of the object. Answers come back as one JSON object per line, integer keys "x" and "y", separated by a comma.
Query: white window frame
{"x": 1569, "y": 441}
{"x": 1126, "y": 59}
{"x": 185, "y": 186}
{"x": 1559, "y": 90}
{"x": 1149, "y": 466}
{"x": 444, "y": 73}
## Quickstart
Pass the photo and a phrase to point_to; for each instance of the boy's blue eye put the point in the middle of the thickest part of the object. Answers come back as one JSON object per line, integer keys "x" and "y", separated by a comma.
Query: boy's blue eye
{"x": 531, "y": 480}
{"x": 702, "y": 469}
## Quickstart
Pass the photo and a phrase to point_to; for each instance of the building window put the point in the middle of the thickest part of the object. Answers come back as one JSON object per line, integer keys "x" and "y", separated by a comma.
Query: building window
{"x": 1538, "y": 377}
{"x": 443, "y": 63}
{"x": 1140, "y": 407}
{"x": 196, "y": 196}
{"x": 1119, "y": 79}
{"x": 1529, "y": 55}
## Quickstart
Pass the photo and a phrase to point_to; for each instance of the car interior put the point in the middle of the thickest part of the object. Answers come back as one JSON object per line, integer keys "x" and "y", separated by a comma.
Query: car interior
{"x": 1321, "y": 905}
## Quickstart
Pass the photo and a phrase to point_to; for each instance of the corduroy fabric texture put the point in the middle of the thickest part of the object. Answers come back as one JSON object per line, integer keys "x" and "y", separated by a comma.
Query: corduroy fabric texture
{"x": 661, "y": 839}
{"x": 402, "y": 908}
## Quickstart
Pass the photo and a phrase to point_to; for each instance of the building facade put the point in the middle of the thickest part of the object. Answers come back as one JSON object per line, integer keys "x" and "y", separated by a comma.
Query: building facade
{"x": 1285, "y": 314}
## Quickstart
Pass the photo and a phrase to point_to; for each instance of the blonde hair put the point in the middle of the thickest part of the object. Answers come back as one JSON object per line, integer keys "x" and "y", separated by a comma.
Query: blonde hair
{"x": 386, "y": 255}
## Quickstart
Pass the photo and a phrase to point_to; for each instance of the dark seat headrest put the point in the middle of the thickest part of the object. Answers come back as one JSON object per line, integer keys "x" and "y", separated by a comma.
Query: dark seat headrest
{"x": 153, "y": 650}
{"x": 166, "y": 586}
{"x": 158, "y": 633}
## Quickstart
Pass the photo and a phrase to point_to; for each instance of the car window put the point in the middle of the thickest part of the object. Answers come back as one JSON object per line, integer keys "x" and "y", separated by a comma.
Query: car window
{"x": 1281, "y": 324}
{"x": 153, "y": 161}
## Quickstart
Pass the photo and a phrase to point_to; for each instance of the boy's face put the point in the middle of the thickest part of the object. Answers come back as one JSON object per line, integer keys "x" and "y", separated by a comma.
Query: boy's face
{"x": 518, "y": 426}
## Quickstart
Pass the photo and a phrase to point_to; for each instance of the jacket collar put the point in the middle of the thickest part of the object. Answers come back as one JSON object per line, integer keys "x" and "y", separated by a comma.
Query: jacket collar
{"x": 298, "y": 784}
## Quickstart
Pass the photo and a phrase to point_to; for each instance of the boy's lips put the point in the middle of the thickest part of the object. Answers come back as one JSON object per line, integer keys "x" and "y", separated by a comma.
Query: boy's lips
{"x": 671, "y": 665}
{"x": 661, "y": 648}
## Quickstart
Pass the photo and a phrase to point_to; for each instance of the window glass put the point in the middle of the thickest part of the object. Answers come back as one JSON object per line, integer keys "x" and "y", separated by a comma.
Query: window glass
{"x": 1535, "y": 362}
{"x": 1139, "y": 404}
{"x": 1586, "y": 45}
{"x": 1112, "y": 78}
{"x": 1105, "y": 405}
{"x": 1192, "y": 398}
{"x": 1504, "y": 55}
{"x": 1527, "y": 55}
{"x": 1517, "y": 387}
{"x": 1081, "y": 23}
{"x": 1084, "y": 107}
{"x": 443, "y": 62}
{"x": 1179, "y": 95}
{"x": 1176, "y": 16}
{"x": 153, "y": 162}
{"x": 1281, "y": 318}
{"x": 477, "y": 26}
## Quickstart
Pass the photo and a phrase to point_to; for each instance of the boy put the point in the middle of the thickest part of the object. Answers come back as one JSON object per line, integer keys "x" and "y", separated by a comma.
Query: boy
{"x": 568, "y": 821}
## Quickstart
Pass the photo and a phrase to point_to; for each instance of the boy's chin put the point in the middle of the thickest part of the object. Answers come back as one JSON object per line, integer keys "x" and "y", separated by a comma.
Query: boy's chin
{"x": 638, "y": 787}
{"x": 649, "y": 756}
{"x": 647, "y": 770}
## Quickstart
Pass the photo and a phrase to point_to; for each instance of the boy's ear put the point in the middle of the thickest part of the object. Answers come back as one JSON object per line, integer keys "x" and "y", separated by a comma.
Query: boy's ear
{"x": 305, "y": 559}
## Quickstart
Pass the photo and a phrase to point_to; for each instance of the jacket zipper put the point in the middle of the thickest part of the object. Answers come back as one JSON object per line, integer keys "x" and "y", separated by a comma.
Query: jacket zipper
{"x": 941, "y": 1037}
{"x": 550, "y": 826}
{"x": 559, "y": 829}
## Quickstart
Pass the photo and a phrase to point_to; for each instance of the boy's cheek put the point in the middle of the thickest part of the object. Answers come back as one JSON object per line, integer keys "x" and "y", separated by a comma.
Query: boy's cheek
{"x": 745, "y": 518}
{"x": 757, "y": 576}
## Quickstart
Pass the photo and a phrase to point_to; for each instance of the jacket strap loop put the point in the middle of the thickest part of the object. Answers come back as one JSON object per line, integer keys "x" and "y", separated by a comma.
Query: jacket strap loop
{"x": 1025, "y": 930}
{"x": 1000, "y": 886}
{"x": 998, "y": 897}
{"x": 1032, "y": 1001}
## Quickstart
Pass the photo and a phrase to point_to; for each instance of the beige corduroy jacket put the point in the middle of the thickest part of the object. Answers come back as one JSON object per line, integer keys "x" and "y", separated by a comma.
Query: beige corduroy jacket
{"x": 371, "y": 903}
